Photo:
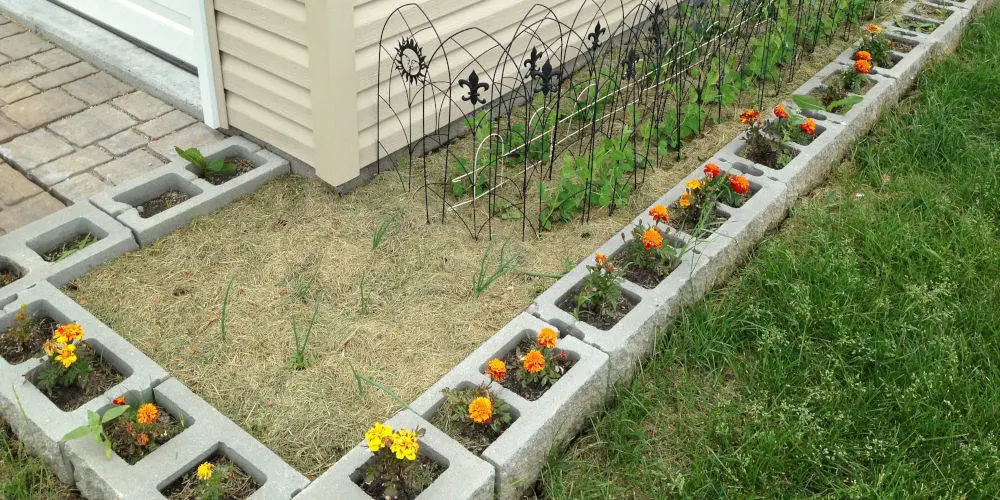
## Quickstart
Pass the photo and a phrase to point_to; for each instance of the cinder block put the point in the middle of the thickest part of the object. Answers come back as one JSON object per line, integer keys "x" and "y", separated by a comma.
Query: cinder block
{"x": 467, "y": 476}
{"x": 180, "y": 175}
{"x": 36, "y": 420}
{"x": 908, "y": 64}
{"x": 949, "y": 31}
{"x": 24, "y": 247}
{"x": 208, "y": 432}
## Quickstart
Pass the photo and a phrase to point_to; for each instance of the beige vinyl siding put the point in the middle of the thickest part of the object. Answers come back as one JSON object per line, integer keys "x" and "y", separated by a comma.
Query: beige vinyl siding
{"x": 265, "y": 71}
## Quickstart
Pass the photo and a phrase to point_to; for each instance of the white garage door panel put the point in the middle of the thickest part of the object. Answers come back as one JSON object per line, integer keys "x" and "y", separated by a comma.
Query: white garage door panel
{"x": 162, "y": 24}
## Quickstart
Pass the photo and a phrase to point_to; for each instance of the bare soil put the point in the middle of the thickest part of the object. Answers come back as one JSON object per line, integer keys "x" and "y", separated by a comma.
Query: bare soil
{"x": 241, "y": 166}
{"x": 238, "y": 485}
{"x": 161, "y": 203}
{"x": 14, "y": 351}
{"x": 69, "y": 247}
{"x": 8, "y": 275}
{"x": 103, "y": 377}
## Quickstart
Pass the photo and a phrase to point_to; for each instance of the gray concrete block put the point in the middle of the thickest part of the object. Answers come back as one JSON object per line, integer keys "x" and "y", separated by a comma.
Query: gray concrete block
{"x": 26, "y": 245}
{"x": 466, "y": 477}
{"x": 907, "y": 65}
{"x": 208, "y": 432}
{"x": 949, "y": 31}
{"x": 36, "y": 420}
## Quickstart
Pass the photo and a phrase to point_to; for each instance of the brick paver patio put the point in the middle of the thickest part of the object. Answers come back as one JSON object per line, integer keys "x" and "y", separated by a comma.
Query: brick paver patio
{"x": 69, "y": 130}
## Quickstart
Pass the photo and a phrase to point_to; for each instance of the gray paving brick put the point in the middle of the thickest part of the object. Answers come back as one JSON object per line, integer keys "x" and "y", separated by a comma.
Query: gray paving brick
{"x": 97, "y": 88}
{"x": 9, "y": 29}
{"x": 63, "y": 76}
{"x": 123, "y": 142}
{"x": 195, "y": 136}
{"x": 93, "y": 124}
{"x": 54, "y": 59}
{"x": 166, "y": 124}
{"x": 141, "y": 105}
{"x": 78, "y": 189}
{"x": 9, "y": 129}
{"x": 23, "y": 45}
{"x": 16, "y": 71}
{"x": 129, "y": 167}
{"x": 59, "y": 170}
{"x": 4, "y": 59}
{"x": 28, "y": 211}
{"x": 16, "y": 92}
{"x": 31, "y": 150}
{"x": 14, "y": 186}
{"x": 43, "y": 108}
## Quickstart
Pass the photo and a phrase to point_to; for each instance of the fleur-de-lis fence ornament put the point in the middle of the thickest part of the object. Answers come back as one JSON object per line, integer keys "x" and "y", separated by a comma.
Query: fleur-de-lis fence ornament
{"x": 532, "y": 63}
{"x": 629, "y": 63}
{"x": 475, "y": 86}
{"x": 548, "y": 78}
{"x": 595, "y": 37}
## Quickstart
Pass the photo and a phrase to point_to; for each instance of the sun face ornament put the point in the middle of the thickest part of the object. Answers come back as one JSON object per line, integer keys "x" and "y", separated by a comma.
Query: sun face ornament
{"x": 410, "y": 61}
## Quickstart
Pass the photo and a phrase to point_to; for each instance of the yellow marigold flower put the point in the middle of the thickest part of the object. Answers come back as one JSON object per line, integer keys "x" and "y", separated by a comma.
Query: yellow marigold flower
{"x": 67, "y": 355}
{"x": 481, "y": 410}
{"x": 600, "y": 259}
{"x": 376, "y": 435}
{"x": 496, "y": 369}
{"x": 652, "y": 239}
{"x": 863, "y": 67}
{"x": 50, "y": 348}
{"x": 405, "y": 445}
{"x": 147, "y": 414}
{"x": 693, "y": 184}
{"x": 205, "y": 471}
{"x": 863, "y": 55}
{"x": 548, "y": 337}
{"x": 874, "y": 29}
{"x": 749, "y": 116}
{"x": 659, "y": 213}
{"x": 68, "y": 333}
{"x": 685, "y": 200}
{"x": 142, "y": 439}
{"x": 534, "y": 362}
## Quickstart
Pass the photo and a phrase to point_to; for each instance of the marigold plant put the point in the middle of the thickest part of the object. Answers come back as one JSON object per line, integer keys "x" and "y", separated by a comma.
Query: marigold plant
{"x": 761, "y": 148}
{"x": 877, "y": 46}
{"x": 394, "y": 471}
{"x": 547, "y": 337}
{"x": 496, "y": 370}
{"x": 65, "y": 364}
{"x": 600, "y": 292}
{"x": 790, "y": 126}
{"x": 481, "y": 410}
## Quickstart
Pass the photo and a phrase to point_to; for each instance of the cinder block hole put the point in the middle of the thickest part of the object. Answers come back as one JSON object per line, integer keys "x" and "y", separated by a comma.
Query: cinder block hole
{"x": 159, "y": 195}
{"x": 23, "y": 332}
{"x": 902, "y": 44}
{"x": 240, "y": 478}
{"x": 770, "y": 158}
{"x": 932, "y": 11}
{"x": 513, "y": 353}
{"x": 646, "y": 277}
{"x": 431, "y": 465}
{"x": 132, "y": 441}
{"x": 450, "y": 414}
{"x": 67, "y": 239}
{"x": 9, "y": 272}
{"x": 239, "y": 159}
{"x": 747, "y": 169}
{"x": 106, "y": 373}
{"x": 690, "y": 220}
{"x": 601, "y": 320}
{"x": 917, "y": 24}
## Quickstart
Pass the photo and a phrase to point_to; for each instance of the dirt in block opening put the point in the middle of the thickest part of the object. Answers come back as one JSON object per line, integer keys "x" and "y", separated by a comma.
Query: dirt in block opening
{"x": 24, "y": 340}
{"x": 8, "y": 275}
{"x": 234, "y": 482}
{"x": 402, "y": 314}
{"x": 103, "y": 377}
{"x": 514, "y": 358}
{"x": 240, "y": 165}
{"x": 161, "y": 203}
{"x": 424, "y": 471}
{"x": 69, "y": 247}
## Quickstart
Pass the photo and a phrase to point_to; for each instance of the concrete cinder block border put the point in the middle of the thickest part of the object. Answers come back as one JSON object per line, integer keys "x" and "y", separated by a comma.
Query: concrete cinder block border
{"x": 208, "y": 432}
{"x": 35, "y": 419}
{"x": 467, "y": 476}
{"x": 24, "y": 247}
{"x": 949, "y": 30}
{"x": 205, "y": 198}
{"x": 907, "y": 64}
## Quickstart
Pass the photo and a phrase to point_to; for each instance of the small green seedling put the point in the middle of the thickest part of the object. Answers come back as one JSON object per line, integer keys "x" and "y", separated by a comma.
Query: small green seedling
{"x": 95, "y": 428}
{"x": 299, "y": 360}
{"x": 382, "y": 230}
{"x": 75, "y": 247}
{"x": 205, "y": 166}
{"x": 225, "y": 308}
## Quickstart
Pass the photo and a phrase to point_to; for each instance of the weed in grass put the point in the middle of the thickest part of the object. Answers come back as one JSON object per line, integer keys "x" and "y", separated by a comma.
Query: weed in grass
{"x": 299, "y": 360}
{"x": 382, "y": 229}
{"x": 223, "y": 316}
{"x": 23, "y": 476}
{"x": 484, "y": 276}
{"x": 302, "y": 287}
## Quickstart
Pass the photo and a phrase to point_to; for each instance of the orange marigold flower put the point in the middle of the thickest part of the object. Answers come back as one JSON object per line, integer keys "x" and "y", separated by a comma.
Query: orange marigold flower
{"x": 119, "y": 401}
{"x": 651, "y": 238}
{"x": 147, "y": 414}
{"x": 548, "y": 337}
{"x": 809, "y": 126}
{"x": 873, "y": 29}
{"x": 50, "y": 348}
{"x": 600, "y": 259}
{"x": 712, "y": 170}
{"x": 863, "y": 55}
{"x": 481, "y": 410}
{"x": 685, "y": 200}
{"x": 780, "y": 112}
{"x": 129, "y": 428}
{"x": 739, "y": 184}
{"x": 609, "y": 267}
{"x": 496, "y": 369}
{"x": 749, "y": 116}
{"x": 659, "y": 213}
{"x": 863, "y": 66}
{"x": 142, "y": 439}
{"x": 534, "y": 362}
{"x": 66, "y": 334}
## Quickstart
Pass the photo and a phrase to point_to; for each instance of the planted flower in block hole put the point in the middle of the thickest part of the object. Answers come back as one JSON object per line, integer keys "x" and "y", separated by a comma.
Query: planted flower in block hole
{"x": 599, "y": 299}
{"x": 697, "y": 211}
{"x": 876, "y": 46}
{"x": 842, "y": 90}
{"x": 216, "y": 478}
{"x": 73, "y": 372}
{"x": 473, "y": 416}
{"x": 760, "y": 148}
{"x": 534, "y": 365}
{"x": 132, "y": 431}
{"x": 790, "y": 126}
{"x": 398, "y": 470}
{"x": 216, "y": 171}
{"x": 650, "y": 256}
{"x": 25, "y": 337}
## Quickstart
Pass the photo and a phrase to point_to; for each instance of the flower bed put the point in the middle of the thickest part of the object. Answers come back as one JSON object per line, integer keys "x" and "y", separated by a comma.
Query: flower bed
{"x": 474, "y": 416}
{"x": 216, "y": 477}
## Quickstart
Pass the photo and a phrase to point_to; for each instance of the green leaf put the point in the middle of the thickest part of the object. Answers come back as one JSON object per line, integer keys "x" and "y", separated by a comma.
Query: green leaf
{"x": 93, "y": 419}
{"x": 113, "y": 413}
{"x": 808, "y": 102}
{"x": 846, "y": 103}
{"x": 192, "y": 155}
{"x": 77, "y": 433}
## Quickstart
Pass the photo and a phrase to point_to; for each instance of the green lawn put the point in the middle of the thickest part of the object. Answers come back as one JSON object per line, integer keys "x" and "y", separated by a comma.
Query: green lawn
{"x": 23, "y": 476}
{"x": 856, "y": 354}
